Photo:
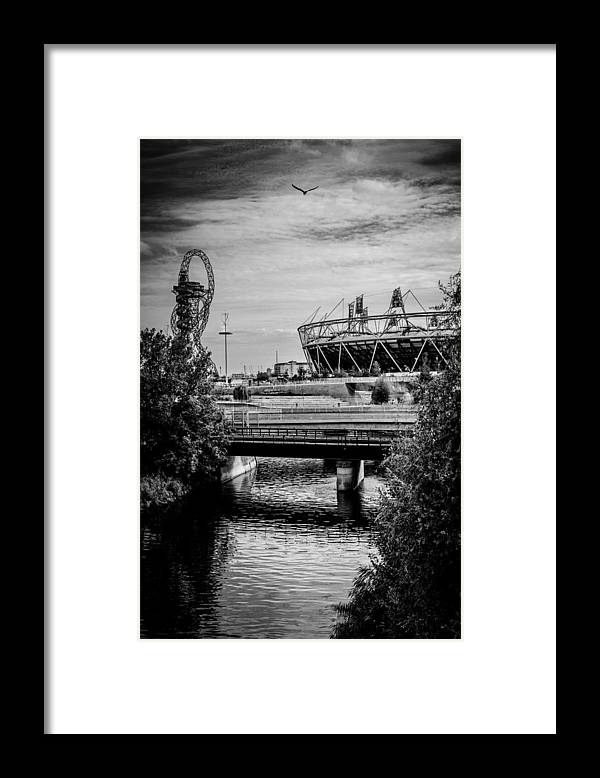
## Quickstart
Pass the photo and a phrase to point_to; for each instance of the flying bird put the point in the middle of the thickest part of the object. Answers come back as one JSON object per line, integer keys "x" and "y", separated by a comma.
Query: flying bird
{"x": 304, "y": 191}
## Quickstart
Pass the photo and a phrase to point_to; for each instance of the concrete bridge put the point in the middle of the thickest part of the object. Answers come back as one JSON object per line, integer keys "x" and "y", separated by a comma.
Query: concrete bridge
{"x": 312, "y": 443}
{"x": 349, "y": 447}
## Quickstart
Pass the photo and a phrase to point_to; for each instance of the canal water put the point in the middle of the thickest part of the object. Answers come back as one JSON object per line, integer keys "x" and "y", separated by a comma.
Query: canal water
{"x": 268, "y": 556}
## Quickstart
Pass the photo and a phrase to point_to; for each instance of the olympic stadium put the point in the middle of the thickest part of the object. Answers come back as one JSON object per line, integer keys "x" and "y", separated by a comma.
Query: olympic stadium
{"x": 397, "y": 340}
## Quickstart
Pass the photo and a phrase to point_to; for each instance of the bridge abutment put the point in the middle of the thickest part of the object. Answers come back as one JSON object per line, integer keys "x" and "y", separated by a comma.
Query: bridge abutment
{"x": 350, "y": 474}
{"x": 236, "y": 466}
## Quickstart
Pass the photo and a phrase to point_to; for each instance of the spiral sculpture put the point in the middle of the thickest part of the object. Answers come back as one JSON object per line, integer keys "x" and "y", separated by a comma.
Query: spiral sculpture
{"x": 192, "y": 299}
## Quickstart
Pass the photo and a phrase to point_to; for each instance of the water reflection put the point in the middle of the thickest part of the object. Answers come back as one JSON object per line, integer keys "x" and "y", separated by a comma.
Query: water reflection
{"x": 268, "y": 555}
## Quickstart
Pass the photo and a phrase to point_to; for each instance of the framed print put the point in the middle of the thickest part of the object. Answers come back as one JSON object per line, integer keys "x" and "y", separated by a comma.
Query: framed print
{"x": 300, "y": 463}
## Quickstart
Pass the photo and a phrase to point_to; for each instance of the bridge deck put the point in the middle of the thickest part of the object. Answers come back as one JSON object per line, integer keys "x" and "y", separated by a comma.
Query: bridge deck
{"x": 313, "y": 443}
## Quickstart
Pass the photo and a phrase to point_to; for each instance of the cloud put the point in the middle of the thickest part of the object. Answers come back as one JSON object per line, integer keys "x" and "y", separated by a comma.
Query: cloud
{"x": 447, "y": 152}
{"x": 153, "y": 224}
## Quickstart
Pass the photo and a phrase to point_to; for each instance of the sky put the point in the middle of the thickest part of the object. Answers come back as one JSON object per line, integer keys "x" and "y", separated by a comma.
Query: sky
{"x": 386, "y": 213}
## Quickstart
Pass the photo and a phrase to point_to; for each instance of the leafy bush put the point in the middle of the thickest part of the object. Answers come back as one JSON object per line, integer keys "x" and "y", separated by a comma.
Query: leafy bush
{"x": 412, "y": 588}
{"x": 241, "y": 392}
{"x": 159, "y": 491}
{"x": 381, "y": 392}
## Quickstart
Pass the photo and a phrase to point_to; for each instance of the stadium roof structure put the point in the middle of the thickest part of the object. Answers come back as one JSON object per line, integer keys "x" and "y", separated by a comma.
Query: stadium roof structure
{"x": 398, "y": 340}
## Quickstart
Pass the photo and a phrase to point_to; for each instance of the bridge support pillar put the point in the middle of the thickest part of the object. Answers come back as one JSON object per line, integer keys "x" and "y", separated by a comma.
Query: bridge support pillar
{"x": 350, "y": 474}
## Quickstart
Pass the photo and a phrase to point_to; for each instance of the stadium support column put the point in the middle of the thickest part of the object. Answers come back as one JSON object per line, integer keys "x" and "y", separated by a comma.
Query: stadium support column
{"x": 350, "y": 474}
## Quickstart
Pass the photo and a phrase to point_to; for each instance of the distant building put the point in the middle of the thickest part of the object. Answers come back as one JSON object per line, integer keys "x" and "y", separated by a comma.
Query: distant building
{"x": 290, "y": 369}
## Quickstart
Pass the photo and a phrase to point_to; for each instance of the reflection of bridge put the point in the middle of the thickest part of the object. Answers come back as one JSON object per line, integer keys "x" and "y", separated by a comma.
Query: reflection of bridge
{"x": 313, "y": 443}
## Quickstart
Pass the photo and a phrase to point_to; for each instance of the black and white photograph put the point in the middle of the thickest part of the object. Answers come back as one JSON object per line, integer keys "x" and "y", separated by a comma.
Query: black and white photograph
{"x": 300, "y": 403}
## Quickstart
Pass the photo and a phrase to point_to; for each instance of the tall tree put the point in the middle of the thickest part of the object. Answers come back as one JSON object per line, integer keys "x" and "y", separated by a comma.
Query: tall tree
{"x": 183, "y": 433}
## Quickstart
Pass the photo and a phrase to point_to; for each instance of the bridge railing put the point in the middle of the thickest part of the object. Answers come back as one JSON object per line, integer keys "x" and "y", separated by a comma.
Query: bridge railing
{"x": 333, "y": 437}
{"x": 257, "y": 414}
{"x": 342, "y": 409}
